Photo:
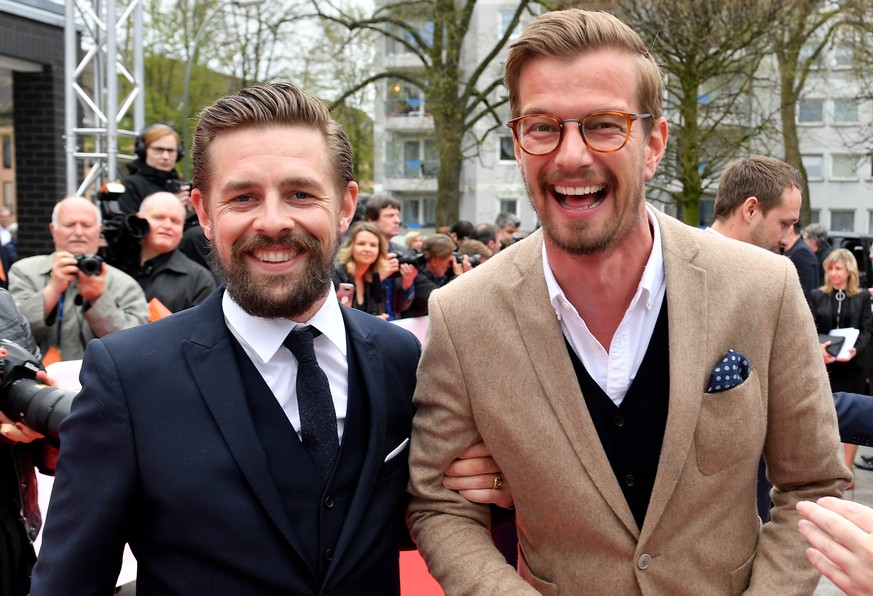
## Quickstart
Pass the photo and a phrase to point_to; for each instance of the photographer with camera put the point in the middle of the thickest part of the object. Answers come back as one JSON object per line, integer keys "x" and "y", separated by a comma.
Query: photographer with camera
{"x": 158, "y": 149}
{"x": 21, "y": 451}
{"x": 71, "y": 296}
{"x": 441, "y": 264}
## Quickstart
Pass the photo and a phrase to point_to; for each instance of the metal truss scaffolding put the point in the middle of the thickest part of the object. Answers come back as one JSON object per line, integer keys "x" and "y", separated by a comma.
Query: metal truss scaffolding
{"x": 96, "y": 76}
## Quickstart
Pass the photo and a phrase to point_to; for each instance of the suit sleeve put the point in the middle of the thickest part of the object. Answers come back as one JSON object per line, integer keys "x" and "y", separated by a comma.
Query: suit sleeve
{"x": 802, "y": 445}
{"x": 447, "y": 527}
{"x": 91, "y": 503}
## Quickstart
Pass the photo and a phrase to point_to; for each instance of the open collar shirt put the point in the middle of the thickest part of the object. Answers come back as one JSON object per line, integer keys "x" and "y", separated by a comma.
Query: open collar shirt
{"x": 614, "y": 371}
{"x": 262, "y": 338}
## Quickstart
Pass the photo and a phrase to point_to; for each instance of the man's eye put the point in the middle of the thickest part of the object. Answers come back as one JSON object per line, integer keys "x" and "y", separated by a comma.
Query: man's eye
{"x": 243, "y": 199}
{"x": 300, "y": 195}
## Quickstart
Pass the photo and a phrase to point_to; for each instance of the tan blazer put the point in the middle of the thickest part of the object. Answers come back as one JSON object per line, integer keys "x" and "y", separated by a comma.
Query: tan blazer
{"x": 495, "y": 366}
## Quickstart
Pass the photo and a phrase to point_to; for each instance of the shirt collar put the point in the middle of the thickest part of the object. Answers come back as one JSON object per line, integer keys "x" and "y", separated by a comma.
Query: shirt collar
{"x": 650, "y": 282}
{"x": 264, "y": 336}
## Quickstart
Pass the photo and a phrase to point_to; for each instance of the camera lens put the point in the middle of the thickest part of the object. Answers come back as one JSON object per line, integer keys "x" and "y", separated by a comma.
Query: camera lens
{"x": 39, "y": 406}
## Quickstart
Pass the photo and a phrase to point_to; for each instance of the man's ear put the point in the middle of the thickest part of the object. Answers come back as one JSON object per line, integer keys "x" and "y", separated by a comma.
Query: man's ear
{"x": 347, "y": 206}
{"x": 198, "y": 200}
{"x": 750, "y": 207}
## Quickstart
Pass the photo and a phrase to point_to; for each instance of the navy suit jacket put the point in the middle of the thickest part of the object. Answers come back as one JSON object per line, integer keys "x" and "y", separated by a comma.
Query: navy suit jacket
{"x": 855, "y": 417}
{"x": 160, "y": 451}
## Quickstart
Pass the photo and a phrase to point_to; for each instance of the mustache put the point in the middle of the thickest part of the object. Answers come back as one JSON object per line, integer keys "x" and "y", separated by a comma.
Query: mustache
{"x": 295, "y": 242}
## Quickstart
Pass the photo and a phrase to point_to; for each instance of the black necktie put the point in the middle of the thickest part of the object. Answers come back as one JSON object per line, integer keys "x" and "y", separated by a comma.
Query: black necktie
{"x": 314, "y": 401}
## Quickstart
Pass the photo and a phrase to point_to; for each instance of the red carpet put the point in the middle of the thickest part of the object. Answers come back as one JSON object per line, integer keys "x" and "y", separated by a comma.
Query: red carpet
{"x": 414, "y": 578}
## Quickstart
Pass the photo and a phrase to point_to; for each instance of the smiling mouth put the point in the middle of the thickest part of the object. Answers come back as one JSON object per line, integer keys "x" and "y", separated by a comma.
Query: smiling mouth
{"x": 274, "y": 256}
{"x": 580, "y": 198}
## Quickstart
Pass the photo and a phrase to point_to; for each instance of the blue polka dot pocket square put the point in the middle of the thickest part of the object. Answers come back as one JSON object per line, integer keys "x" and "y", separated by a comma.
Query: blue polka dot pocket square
{"x": 730, "y": 371}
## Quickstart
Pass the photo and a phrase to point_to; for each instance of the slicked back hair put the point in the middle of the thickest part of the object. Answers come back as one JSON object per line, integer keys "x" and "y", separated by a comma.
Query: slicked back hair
{"x": 262, "y": 106}
{"x": 568, "y": 34}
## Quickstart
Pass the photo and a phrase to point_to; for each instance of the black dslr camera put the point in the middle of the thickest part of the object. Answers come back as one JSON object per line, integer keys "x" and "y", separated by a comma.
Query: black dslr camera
{"x": 24, "y": 399}
{"x": 89, "y": 264}
{"x": 475, "y": 260}
{"x": 173, "y": 185}
{"x": 123, "y": 232}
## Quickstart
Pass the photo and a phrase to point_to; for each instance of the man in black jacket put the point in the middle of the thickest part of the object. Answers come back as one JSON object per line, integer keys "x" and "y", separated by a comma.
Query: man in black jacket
{"x": 165, "y": 273}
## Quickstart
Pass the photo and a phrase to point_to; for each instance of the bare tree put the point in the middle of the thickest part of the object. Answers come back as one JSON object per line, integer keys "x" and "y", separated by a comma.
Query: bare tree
{"x": 459, "y": 90}
{"x": 709, "y": 51}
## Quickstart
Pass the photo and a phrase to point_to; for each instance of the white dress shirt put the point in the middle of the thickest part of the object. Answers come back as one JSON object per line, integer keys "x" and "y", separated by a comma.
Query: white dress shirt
{"x": 614, "y": 371}
{"x": 262, "y": 341}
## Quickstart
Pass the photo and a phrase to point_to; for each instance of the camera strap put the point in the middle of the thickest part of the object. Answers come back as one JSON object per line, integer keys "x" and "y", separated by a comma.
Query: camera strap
{"x": 60, "y": 317}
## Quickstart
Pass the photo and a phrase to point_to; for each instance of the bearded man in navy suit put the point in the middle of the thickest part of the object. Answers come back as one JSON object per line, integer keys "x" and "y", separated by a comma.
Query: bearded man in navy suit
{"x": 185, "y": 441}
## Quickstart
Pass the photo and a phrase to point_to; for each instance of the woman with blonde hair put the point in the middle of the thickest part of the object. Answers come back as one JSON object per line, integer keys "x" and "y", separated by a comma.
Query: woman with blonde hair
{"x": 414, "y": 239}
{"x": 841, "y": 303}
{"x": 359, "y": 260}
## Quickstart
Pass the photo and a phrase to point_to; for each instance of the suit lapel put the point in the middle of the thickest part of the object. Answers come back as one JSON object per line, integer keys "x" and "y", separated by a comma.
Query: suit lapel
{"x": 541, "y": 334}
{"x": 212, "y": 361}
{"x": 687, "y": 306}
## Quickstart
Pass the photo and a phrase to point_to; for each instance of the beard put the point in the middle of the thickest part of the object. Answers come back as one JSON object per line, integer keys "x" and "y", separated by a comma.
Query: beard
{"x": 276, "y": 296}
{"x": 582, "y": 238}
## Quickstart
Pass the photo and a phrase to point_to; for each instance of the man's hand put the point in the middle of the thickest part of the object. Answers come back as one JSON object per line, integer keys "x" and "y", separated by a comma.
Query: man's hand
{"x": 392, "y": 266}
{"x": 91, "y": 287}
{"x": 841, "y": 535}
{"x": 408, "y": 273}
{"x": 16, "y": 432}
{"x": 64, "y": 270}
{"x": 475, "y": 474}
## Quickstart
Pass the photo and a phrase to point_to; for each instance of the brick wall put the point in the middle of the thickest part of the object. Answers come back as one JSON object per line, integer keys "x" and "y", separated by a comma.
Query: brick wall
{"x": 38, "y": 113}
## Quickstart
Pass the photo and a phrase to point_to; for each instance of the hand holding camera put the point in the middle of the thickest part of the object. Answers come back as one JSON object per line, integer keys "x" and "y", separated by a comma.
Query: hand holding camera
{"x": 87, "y": 269}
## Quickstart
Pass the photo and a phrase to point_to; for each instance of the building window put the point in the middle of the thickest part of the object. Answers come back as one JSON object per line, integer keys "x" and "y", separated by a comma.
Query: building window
{"x": 8, "y": 199}
{"x": 810, "y": 111}
{"x": 404, "y": 99}
{"x": 844, "y": 166}
{"x": 846, "y": 111}
{"x": 815, "y": 216}
{"x": 813, "y": 166}
{"x": 843, "y": 56}
{"x": 7, "y": 152}
{"x": 842, "y": 221}
{"x": 870, "y": 223}
{"x": 505, "y": 20}
{"x": 509, "y": 206}
{"x": 507, "y": 148}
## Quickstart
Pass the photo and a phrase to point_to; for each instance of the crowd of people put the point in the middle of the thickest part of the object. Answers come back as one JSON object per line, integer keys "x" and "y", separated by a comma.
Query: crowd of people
{"x": 652, "y": 377}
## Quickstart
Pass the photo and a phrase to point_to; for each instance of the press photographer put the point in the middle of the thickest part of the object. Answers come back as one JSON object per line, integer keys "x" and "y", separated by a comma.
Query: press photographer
{"x": 64, "y": 305}
{"x": 158, "y": 149}
{"x": 441, "y": 264}
{"x": 21, "y": 450}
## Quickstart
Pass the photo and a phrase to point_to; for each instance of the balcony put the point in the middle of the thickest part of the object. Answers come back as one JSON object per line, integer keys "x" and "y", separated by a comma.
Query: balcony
{"x": 412, "y": 175}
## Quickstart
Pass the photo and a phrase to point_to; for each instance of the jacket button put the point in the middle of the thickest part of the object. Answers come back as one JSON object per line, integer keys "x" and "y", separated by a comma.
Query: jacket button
{"x": 619, "y": 420}
{"x": 629, "y": 480}
{"x": 644, "y": 561}
{"x": 328, "y": 554}
{"x": 329, "y": 502}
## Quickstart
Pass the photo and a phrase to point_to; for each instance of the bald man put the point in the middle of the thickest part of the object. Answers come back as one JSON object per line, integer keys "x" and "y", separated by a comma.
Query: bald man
{"x": 165, "y": 273}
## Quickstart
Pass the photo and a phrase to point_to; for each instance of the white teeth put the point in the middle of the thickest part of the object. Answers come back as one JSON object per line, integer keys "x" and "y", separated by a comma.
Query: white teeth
{"x": 582, "y": 190}
{"x": 273, "y": 257}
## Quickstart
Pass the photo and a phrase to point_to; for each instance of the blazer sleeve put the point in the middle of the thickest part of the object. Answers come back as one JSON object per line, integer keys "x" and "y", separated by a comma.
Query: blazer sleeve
{"x": 93, "y": 491}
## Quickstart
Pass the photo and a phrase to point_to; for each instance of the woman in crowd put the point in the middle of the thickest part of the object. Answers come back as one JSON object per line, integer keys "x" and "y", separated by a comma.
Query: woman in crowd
{"x": 439, "y": 268}
{"x": 358, "y": 262}
{"x": 414, "y": 240}
{"x": 842, "y": 303}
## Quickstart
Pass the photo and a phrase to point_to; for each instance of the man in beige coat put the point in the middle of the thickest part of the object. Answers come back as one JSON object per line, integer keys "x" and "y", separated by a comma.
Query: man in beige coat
{"x": 629, "y": 432}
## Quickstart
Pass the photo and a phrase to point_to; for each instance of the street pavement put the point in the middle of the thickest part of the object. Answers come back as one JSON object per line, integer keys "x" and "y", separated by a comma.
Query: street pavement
{"x": 863, "y": 493}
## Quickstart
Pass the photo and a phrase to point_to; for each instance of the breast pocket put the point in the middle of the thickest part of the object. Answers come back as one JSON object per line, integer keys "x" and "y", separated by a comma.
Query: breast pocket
{"x": 731, "y": 426}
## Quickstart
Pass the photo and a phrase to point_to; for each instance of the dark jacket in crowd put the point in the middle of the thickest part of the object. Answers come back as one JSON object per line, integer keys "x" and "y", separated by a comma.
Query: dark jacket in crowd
{"x": 143, "y": 181}
{"x": 20, "y": 518}
{"x": 374, "y": 296}
{"x": 425, "y": 283}
{"x": 175, "y": 280}
{"x": 855, "y": 312}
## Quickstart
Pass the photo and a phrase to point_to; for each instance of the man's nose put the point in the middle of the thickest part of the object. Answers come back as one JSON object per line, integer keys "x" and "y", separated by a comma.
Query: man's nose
{"x": 573, "y": 152}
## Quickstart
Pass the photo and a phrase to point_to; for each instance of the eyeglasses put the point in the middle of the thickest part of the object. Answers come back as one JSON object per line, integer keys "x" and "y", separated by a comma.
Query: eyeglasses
{"x": 160, "y": 150}
{"x": 604, "y": 132}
